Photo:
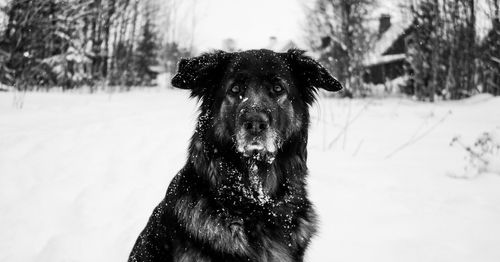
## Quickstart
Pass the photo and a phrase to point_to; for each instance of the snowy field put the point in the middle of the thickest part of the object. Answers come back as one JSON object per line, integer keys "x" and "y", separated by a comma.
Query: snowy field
{"x": 80, "y": 175}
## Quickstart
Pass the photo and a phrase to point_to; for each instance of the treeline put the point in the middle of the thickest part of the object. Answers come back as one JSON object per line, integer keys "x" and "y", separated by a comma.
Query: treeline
{"x": 445, "y": 56}
{"x": 71, "y": 43}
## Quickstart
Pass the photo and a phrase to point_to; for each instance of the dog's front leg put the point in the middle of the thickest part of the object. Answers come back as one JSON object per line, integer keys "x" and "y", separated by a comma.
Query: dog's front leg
{"x": 151, "y": 245}
{"x": 302, "y": 235}
{"x": 224, "y": 232}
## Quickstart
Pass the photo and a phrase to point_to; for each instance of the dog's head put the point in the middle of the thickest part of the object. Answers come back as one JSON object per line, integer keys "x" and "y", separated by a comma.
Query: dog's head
{"x": 255, "y": 101}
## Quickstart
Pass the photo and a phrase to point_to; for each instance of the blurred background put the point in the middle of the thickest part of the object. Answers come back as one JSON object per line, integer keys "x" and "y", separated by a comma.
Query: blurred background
{"x": 424, "y": 48}
{"x": 404, "y": 162}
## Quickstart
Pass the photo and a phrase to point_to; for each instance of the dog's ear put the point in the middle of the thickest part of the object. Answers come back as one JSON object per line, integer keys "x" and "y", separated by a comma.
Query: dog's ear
{"x": 311, "y": 73}
{"x": 201, "y": 72}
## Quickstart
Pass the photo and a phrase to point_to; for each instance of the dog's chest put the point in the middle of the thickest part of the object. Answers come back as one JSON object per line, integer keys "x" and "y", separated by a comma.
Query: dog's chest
{"x": 273, "y": 244}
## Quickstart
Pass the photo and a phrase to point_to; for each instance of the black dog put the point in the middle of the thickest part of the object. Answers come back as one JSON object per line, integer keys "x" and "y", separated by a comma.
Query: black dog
{"x": 241, "y": 195}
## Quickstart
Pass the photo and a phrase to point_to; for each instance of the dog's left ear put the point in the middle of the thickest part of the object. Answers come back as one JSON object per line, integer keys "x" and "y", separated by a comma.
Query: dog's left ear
{"x": 200, "y": 73}
{"x": 310, "y": 72}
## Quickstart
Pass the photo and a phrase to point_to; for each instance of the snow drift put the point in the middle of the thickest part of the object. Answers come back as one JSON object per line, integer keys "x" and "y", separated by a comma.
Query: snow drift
{"x": 80, "y": 174}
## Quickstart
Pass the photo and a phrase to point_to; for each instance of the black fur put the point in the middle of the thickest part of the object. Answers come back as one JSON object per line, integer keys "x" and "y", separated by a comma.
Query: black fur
{"x": 212, "y": 210}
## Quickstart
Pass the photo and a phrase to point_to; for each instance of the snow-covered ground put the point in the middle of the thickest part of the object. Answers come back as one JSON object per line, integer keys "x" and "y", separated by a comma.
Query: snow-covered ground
{"x": 80, "y": 175}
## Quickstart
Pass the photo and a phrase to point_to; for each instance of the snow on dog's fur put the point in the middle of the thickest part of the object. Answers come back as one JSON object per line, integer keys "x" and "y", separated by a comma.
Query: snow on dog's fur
{"x": 241, "y": 195}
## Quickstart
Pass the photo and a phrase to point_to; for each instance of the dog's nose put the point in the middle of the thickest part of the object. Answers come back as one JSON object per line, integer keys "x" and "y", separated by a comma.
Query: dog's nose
{"x": 255, "y": 123}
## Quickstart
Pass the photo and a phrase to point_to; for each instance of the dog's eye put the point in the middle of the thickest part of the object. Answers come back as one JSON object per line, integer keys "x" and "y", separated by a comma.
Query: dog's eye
{"x": 278, "y": 89}
{"x": 235, "y": 89}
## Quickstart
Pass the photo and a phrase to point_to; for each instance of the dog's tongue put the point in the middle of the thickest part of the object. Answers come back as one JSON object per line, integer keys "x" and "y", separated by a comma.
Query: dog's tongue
{"x": 254, "y": 147}
{"x": 258, "y": 152}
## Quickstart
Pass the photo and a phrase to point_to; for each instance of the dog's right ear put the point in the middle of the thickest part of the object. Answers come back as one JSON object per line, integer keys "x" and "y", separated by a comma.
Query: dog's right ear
{"x": 312, "y": 73}
{"x": 200, "y": 73}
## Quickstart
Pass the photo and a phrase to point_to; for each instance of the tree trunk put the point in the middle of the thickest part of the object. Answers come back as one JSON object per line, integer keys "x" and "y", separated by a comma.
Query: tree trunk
{"x": 107, "y": 26}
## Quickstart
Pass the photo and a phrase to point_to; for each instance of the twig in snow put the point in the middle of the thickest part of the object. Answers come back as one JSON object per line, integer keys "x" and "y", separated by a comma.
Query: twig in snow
{"x": 424, "y": 123}
{"x": 349, "y": 123}
{"x": 19, "y": 97}
{"x": 482, "y": 156}
{"x": 469, "y": 150}
{"x": 358, "y": 147}
{"x": 415, "y": 139}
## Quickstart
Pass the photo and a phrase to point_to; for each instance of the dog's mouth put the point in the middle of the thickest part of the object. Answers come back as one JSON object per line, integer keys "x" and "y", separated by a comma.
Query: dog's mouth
{"x": 262, "y": 148}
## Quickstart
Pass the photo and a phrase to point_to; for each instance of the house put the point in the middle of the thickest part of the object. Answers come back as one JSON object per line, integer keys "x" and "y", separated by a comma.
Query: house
{"x": 287, "y": 46}
{"x": 280, "y": 46}
{"x": 386, "y": 59}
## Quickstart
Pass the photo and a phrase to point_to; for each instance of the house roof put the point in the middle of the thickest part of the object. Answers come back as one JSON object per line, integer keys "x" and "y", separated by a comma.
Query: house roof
{"x": 157, "y": 68}
{"x": 277, "y": 45}
{"x": 288, "y": 45}
{"x": 385, "y": 59}
{"x": 376, "y": 55}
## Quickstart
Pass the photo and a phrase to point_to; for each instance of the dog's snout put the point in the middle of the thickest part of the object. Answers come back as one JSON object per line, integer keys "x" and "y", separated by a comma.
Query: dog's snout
{"x": 255, "y": 123}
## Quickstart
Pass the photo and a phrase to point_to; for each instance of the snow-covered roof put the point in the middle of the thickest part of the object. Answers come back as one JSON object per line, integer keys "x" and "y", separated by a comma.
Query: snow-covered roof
{"x": 157, "y": 68}
{"x": 279, "y": 45}
{"x": 401, "y": 20}
{"x": 384, "y": 59}
{"x": 288, "y": 45}
{"x": 375, "y": 55}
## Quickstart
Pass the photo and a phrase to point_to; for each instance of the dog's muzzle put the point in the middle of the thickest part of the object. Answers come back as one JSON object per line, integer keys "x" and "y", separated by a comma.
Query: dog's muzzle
{"x": 255, "y": 137}
{"x": 255, "y": 123}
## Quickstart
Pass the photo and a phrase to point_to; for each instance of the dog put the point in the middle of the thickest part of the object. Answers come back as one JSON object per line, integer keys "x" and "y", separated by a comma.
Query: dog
{"x": 242, "y": 195}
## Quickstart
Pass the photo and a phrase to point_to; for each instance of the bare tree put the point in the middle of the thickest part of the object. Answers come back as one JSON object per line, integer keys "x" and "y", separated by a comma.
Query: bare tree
{"x": 338, "y": 31}
{"x": 490, "y": 52}
{"x": 443, "y": 51}
{"x": 72, "y": 42}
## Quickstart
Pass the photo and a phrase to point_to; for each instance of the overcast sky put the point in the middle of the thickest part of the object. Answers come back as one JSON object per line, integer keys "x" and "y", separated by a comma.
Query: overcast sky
{"x": 250, "y": 23}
